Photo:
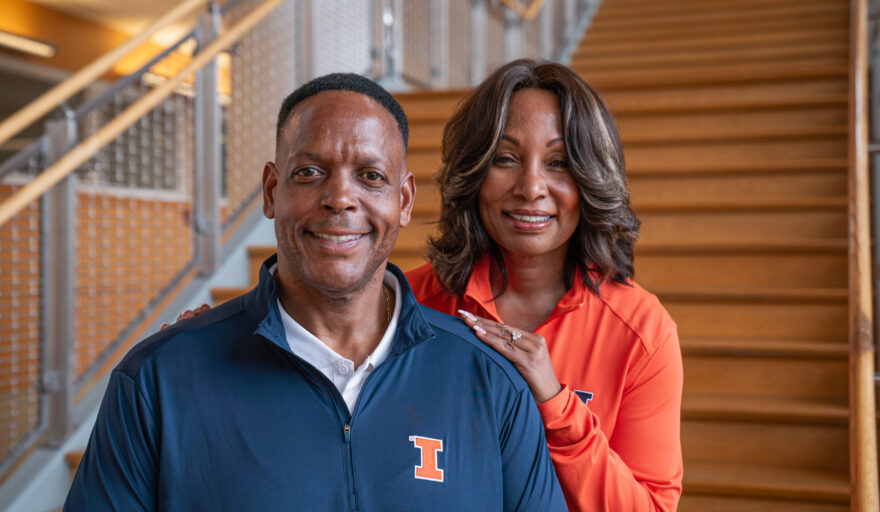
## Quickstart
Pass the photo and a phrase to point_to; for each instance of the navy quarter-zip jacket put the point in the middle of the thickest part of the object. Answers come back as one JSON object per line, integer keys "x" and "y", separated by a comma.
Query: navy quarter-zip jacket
{"x": 216, "y": 413}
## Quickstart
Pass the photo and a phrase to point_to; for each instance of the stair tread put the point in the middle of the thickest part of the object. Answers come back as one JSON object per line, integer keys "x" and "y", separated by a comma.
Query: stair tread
{"x": 751, "y": 293}
{"x": 733, "y": 73}
{"x": 712, "y": 41}
{"x": 762, "y": 408}
{"x": 73, "y": 457}
{"x": 739, "y": 246}
{"x": 765, "y": 348}
{"x": 758, "y": 167}
{"x": 703, "y": 477}
{"x": 726, "y": 17}
{"x": 701, "y": 56}
{"x": 744, "y": 203}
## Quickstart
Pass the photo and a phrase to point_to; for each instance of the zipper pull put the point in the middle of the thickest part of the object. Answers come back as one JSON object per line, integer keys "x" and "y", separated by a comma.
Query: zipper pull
{"x": 346, "y": 433}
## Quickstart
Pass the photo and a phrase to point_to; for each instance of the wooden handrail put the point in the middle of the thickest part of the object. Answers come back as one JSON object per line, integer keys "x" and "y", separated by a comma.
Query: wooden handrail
{"x": 61, "y": 92}
{"x": 863, "y": 417}
{"x": 75, "y": 157}
{"x": 526, "y": 13}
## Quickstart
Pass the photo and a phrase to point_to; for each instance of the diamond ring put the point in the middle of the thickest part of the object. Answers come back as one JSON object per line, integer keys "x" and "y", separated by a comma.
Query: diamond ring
{"x": 515, "y": 335}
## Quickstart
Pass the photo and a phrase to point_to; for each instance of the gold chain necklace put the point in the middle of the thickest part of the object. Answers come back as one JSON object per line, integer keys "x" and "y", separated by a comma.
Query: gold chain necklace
{"x": 387, "y": 304}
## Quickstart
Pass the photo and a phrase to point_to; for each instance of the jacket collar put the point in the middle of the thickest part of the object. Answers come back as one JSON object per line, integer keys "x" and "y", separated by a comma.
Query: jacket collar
{"x": 479, "y": 290}
{"x": 262, "y": 305}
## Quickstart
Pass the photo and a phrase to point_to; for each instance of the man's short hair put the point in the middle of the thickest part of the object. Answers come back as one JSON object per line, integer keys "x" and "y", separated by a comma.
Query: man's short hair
{"x": 344, "y": 82}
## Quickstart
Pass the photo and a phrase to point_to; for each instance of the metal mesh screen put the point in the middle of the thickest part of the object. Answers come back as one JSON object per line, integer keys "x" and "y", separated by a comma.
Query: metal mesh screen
{"x": 262, "y": 72}
{"x": 559, "y": 26}
{"x": 459, "y": 43}
{"x": 134, "y": 217}
{"x": 531, "y": 44}
{"x": 494, "y": 37}
{"x": 417, "y": 42}
{"x": 341, "y": 36}
{"x": 20, "y": 316}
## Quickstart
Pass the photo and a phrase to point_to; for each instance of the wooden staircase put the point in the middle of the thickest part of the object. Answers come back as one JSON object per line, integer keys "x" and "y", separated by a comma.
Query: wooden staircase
{"x": 733, "y": 115}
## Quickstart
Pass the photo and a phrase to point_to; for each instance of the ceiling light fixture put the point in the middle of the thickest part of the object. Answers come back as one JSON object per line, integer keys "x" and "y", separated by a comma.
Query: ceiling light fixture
{"x": 26, "y": 45}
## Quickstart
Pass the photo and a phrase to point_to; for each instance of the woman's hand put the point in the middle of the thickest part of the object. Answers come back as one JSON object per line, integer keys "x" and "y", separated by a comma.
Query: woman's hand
{"x": 528, "y": 353}
{"x": 189, "y": 313}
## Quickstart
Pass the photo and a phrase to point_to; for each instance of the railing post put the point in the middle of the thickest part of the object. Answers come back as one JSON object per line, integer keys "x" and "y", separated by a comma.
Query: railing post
{"x": 439, "y": 19}
{"x": 303, "y": 15}
{"x": 58, "y": 284}
{"x": 392, "y": 45}
{"x": 208, "y": 140}
{"x": 545, "y": 18}
{"x": 478, "y": 41}
{"x": 512, "y": 35}
{"x": 569, "y": 13}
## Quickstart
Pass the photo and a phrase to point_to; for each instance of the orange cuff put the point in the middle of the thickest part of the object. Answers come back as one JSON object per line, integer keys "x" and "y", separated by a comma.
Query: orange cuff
{"x": 554, "y": 409}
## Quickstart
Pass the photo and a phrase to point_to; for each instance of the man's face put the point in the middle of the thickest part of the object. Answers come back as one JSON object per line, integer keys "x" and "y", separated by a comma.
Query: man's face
{"x": 339, "y": 192}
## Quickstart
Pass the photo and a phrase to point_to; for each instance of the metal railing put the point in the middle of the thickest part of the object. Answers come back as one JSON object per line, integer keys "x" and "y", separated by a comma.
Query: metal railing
{"x": 128, "y": 195}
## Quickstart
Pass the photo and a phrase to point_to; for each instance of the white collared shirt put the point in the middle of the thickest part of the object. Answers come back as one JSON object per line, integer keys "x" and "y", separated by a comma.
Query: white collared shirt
{"x": 341, "y": 371}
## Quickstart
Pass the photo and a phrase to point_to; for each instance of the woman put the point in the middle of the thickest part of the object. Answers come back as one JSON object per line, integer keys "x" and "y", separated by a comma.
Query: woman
{"x": 534, "y": 249}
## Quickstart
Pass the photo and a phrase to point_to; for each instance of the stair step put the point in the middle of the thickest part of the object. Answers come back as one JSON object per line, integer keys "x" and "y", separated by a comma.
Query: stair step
{"x": 704, "y": 167}
{"x": 745, "y": 246}
{"x": 430, "y": 105}
{"x": 718, "y": 226}
{"x": 744, "y": 480}
{"x": 735, "y": 153}
{"x": 762, "y": 409}
{"x": 733, "y": 125}
{"x": 73, "y": 458}
{"x": 702, "y": 56}
{"x": 754, "y": 294}
{"x": 712, "y": 42}
{"x": 715, "y": 97}
{"x": 739, "y": 347}
{"x": 624, "y": 9}
{"x": 716, "y": 74}
{"x": 598, "y": 36}
{"x": 223, "y": 294}
{"x": 743, "y": 204}
{"x": 728, "y": 18}
{"x": 770, "y": 186}
{"x": 783, "y": 319}
{"x": 805, "y": 445}
{"x": 760, "y": 377}
{"x": 697, "y": 503}
{"x": 751, "y": 269}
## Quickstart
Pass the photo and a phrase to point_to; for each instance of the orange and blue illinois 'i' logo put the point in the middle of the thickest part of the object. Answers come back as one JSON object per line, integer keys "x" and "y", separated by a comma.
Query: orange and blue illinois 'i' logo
{"x": 428, "y": 450}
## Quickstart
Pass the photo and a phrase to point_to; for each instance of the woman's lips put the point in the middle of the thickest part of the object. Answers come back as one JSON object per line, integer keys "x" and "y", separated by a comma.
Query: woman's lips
{"x": 529, "y": 220}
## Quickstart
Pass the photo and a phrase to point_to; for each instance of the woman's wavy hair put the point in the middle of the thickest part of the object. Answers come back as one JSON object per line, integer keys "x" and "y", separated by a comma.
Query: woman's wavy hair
{"x": 601, "y": 247}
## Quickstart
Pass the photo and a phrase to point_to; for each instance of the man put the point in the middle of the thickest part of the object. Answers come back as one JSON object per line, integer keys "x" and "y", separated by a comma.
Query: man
{"x": 327, "y": 387}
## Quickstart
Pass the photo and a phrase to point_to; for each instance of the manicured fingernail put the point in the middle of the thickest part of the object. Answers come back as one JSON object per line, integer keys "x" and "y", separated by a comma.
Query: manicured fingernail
{"x": 466, "y": 315}
{"x": 479, "y": 329}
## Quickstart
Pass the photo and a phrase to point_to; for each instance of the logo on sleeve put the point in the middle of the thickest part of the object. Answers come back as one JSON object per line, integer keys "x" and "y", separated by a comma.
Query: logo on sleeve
{"x": 428, "y": 450}
{"x": 585, "y": 396}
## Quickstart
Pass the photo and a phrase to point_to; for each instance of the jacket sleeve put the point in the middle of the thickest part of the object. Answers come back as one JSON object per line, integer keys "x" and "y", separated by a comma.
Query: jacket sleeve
{"x": 640, "y": 466}
{"x": 118, "y": 470}
{"x": 529, "y": 479}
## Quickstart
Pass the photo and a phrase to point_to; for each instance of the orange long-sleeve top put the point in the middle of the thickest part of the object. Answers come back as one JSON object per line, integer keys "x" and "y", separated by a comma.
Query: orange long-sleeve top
{"x": 614, "y": 430}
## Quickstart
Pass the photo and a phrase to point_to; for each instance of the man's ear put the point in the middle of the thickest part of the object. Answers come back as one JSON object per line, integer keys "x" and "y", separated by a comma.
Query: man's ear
{"x": 407, "y": 198}
{"x": 270, "y": 180}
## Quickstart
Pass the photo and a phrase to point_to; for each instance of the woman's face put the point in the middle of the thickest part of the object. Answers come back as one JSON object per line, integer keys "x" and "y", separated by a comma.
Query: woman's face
{"x": 529, "y": 201}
